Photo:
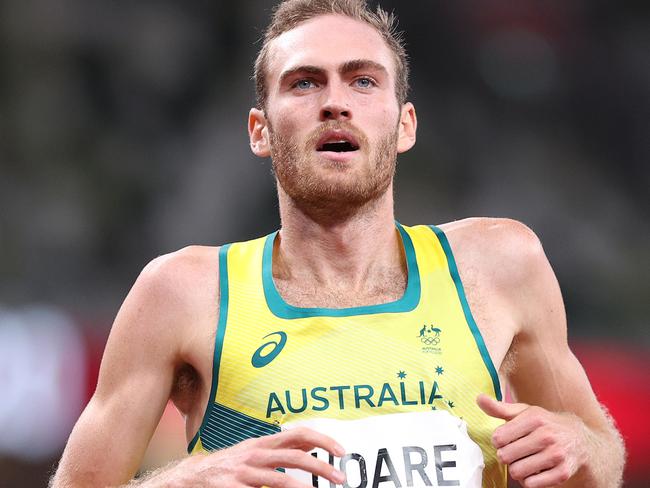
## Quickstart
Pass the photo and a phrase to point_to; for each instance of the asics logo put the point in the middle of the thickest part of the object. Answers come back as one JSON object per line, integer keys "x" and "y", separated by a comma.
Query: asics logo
{"x": 268, "y": 351}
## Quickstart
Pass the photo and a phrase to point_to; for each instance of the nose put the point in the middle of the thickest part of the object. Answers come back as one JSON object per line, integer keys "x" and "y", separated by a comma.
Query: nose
{"x": 335, "y": 105}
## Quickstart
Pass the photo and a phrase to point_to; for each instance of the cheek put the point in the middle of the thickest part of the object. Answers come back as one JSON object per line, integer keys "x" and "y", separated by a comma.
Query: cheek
{"x": 387, "y": 121}
{"x": 288, "y": 119}
{"x": 383, "y": 114}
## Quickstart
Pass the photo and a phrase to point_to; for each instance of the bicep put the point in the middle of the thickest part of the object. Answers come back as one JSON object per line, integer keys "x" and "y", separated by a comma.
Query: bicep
{"x": 135, "y": 380}
{"x": 555, "y": 380}
{"x": 546, "y": 372}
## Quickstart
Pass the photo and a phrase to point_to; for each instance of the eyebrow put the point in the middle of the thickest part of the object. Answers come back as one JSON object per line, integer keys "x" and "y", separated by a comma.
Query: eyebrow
{"x": 361, "y": 64}
{"x": 345, "y": 68}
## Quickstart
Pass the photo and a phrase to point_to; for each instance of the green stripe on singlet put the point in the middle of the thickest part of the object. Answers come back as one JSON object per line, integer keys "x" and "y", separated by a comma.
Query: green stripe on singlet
{"x": 480, "y": 343}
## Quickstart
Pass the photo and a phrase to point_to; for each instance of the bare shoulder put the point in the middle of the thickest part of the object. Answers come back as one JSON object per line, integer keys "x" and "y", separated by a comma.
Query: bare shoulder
{"x": 186, "y": 262}
{"x": 506, "y": 250}
{"x": 508, "y": 281}
{"x": 181, "y": 277}
{"x": 172, "y": 294}
{"x": 503, "y": 237}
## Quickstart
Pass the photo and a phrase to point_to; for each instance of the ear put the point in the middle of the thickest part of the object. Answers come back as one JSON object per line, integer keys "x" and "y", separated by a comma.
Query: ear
{"x": 408, "y": 126}
{"x": 258, "y": 133}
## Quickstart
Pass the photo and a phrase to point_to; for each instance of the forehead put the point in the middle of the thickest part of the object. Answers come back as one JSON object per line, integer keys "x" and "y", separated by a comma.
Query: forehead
{"x": 327, "y": 41}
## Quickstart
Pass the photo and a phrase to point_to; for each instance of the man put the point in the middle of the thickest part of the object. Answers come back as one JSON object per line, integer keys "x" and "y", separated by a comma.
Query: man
{"x": 313, "y": 320}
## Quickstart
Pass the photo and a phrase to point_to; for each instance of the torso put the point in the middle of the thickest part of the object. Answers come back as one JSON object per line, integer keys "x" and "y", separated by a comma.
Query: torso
{"x": 490, "y": 310}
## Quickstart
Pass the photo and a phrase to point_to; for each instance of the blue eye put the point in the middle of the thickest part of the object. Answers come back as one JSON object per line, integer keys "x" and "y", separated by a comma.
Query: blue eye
{"x": 364, "y": 82}
{"x": 303, "y": 84}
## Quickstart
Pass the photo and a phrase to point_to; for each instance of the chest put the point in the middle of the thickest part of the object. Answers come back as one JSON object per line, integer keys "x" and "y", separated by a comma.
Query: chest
{"x": 193, "y": 384}
{"x": 347, "y": 364}
{"x": 276, "y": 360}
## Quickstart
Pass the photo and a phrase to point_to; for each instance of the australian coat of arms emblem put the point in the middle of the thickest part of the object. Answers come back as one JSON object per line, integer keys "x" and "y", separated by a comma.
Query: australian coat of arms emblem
{"x": 430, "y": 335}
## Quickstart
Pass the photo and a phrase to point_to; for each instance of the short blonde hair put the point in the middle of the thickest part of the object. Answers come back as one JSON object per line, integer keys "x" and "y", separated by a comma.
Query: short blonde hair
{"x": 290, "y": 13}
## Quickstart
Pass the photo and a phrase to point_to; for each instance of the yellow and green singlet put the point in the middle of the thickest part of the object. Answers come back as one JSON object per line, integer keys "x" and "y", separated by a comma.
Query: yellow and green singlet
{"x": 276, "y": 363}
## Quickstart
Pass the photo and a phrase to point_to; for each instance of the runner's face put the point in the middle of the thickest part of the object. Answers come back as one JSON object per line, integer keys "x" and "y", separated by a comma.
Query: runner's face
{"x": 332, "y": 112}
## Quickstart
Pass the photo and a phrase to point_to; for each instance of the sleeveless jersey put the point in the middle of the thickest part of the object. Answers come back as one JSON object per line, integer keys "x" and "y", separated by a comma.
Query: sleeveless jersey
{"x": 276, "y": 363}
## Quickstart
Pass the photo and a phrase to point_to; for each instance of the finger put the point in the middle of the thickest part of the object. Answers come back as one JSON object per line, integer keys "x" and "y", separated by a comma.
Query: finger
{"x": 271, "y": 479}
{"x": 536, "y": 441}
{"x": 530, "y": 466}
{"x": 500, "y": 410}
{"x": 295, "y": 458}
{"x": 518, "y": 428}
{"x": 548, "y": 478}
{"x": 519, "y": 449}
{"x": 304, "y": 439}
{"x": 533, "y": 419}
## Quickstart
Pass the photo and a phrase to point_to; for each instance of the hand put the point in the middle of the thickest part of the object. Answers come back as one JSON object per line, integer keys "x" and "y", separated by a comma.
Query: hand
{"x": 541, "y": 448}
{"x": 252, "y": 463}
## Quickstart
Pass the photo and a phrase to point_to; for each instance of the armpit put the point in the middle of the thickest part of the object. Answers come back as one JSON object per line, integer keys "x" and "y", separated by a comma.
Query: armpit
{"x": 186, "y": 389}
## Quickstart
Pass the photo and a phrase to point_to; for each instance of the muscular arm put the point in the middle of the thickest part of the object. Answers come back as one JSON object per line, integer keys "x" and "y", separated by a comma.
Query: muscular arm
{"x": 109, "y": 440}
{"x": 564, "y": 430}
{"x": 156, "y": 331}
{"x": 148, "y": 341}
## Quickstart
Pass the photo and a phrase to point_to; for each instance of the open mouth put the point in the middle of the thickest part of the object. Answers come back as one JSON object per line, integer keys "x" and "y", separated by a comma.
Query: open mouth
{"x": 341, "y": 146}
{"x": 338, "y": 142}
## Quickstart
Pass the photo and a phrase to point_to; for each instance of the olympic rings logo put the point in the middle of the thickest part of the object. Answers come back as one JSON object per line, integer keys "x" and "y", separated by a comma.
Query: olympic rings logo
{"x": 430, "y": 341}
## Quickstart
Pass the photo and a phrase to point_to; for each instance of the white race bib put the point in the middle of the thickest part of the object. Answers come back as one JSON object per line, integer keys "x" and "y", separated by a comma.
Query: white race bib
{"x": 416, "y": 449}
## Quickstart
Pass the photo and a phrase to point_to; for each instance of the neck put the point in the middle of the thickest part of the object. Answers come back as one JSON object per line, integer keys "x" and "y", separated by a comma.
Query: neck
{"x": 343, "y": 250}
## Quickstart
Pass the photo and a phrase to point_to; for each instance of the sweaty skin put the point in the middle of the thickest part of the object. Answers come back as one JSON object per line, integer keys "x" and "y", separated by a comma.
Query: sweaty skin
{"x": 161, "y": 343}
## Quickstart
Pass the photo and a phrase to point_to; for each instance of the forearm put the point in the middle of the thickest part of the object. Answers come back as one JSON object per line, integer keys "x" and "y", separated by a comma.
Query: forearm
{"x": 166, "y": 476}
{"x": 604, "y": 458}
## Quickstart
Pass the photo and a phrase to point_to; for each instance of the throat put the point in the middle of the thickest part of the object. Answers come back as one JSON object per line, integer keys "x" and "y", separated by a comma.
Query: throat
{"x": 309, "y": 294}
{"x": 340, "y": 267}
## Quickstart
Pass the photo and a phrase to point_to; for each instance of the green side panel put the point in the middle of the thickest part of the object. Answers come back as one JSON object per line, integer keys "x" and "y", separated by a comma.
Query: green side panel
{"x": 226, "y": 427}
{"x": 218, "y": 343}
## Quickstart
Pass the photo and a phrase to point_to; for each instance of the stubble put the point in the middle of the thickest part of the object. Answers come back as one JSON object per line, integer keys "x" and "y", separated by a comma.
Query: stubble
{"x": 325, "y": 187}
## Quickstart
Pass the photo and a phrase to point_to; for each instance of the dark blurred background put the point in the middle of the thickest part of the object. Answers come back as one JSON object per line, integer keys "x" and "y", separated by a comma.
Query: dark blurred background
{"x": 123, "y": 137}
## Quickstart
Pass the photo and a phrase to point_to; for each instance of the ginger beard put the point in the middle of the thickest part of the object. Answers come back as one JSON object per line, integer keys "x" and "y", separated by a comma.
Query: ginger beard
{"x": 317, "y": 184}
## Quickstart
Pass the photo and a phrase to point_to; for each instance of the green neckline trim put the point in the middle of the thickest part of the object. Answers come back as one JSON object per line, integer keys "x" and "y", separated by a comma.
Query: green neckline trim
{"x": 453, "y": 270}
{"x": 218, "y": 342}
{"x": 283, "y": 310}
